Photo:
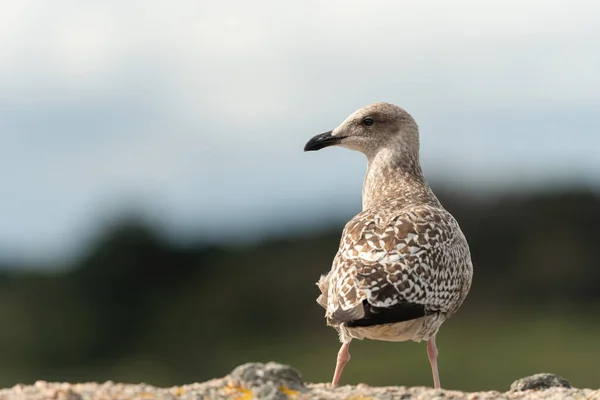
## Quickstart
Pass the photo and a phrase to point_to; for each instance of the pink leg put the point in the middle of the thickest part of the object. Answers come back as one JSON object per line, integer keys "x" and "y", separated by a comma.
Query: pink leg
{"x": 432, "y": 353}
{"x": 342, "y": 359}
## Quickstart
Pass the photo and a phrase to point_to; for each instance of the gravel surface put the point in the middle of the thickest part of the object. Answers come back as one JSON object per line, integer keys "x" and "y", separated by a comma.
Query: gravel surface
{"x": 276, "y": 381}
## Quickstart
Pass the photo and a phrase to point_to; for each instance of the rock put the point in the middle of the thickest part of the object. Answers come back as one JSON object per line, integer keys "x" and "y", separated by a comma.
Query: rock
{"x": 539, "y": 382}
{"x": 272, "y": 381}
{"x": 266, "y": 381}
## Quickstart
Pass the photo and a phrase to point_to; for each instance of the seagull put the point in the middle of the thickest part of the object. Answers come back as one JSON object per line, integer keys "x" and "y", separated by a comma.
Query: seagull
{"x": 403, "y": 265}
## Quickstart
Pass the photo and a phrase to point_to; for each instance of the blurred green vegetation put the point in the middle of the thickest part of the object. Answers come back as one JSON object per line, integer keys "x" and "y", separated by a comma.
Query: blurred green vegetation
{"x": 138, "y": 306}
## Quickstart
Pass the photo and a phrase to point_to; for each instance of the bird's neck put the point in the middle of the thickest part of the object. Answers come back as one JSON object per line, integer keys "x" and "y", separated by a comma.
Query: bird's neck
{"x": 395, "y": 176}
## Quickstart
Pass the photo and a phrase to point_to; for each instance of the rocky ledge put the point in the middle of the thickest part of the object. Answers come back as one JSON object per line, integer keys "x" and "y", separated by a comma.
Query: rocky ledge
{"x": 276, "y": 381}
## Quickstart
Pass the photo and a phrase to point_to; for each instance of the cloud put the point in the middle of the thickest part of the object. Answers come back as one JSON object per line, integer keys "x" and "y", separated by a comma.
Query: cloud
{"x": 201, "y": 109}
{"x": 253, "y": 58}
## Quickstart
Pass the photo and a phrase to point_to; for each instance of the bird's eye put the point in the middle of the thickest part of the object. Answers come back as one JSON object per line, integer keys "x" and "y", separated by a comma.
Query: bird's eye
{"x": 368, "y": 121}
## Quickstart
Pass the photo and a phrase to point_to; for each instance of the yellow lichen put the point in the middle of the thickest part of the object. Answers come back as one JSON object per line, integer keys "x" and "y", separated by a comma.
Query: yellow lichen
{"x": 288, "y": 391}
{"x": 358, "y": 397}
{"x": 245, "y": 394}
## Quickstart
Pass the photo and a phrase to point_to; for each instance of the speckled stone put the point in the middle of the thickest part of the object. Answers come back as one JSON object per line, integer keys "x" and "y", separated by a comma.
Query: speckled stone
{"x": 539, "y": 381}
{"x": 275, "y": 381}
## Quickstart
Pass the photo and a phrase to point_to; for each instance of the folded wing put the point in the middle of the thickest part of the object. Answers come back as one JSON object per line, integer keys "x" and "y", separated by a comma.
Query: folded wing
{"x": 394, "y": 268}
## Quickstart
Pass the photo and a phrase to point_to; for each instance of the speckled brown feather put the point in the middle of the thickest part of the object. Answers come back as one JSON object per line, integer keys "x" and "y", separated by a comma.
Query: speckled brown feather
{"x": 414, "y": 254}
{"x": 403, "y": 248}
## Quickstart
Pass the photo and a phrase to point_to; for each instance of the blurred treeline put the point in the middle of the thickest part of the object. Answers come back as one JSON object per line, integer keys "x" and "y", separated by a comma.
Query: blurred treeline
{"x": 139, "y": 306}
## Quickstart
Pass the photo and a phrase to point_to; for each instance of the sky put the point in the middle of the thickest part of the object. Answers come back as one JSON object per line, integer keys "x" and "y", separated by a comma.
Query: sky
{"x": 196, "y": 112}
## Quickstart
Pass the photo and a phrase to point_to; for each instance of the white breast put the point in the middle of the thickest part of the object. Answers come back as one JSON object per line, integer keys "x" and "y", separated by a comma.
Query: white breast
{"x": 396, "y": 332}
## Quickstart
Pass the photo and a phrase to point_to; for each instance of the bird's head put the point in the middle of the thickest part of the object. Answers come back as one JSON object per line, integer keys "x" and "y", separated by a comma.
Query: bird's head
{"x": 371, "y": 129}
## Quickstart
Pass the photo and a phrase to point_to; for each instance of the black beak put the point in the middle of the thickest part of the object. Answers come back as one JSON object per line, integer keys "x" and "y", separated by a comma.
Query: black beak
{"x": 322, "y": 140}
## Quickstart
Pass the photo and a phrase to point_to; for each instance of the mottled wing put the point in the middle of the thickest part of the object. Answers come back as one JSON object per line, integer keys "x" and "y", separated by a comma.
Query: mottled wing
{"x": 410, "y": 262}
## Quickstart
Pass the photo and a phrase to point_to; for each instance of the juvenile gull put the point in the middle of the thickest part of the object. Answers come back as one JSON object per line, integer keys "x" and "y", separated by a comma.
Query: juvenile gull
{"x": 403, "y": 266}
